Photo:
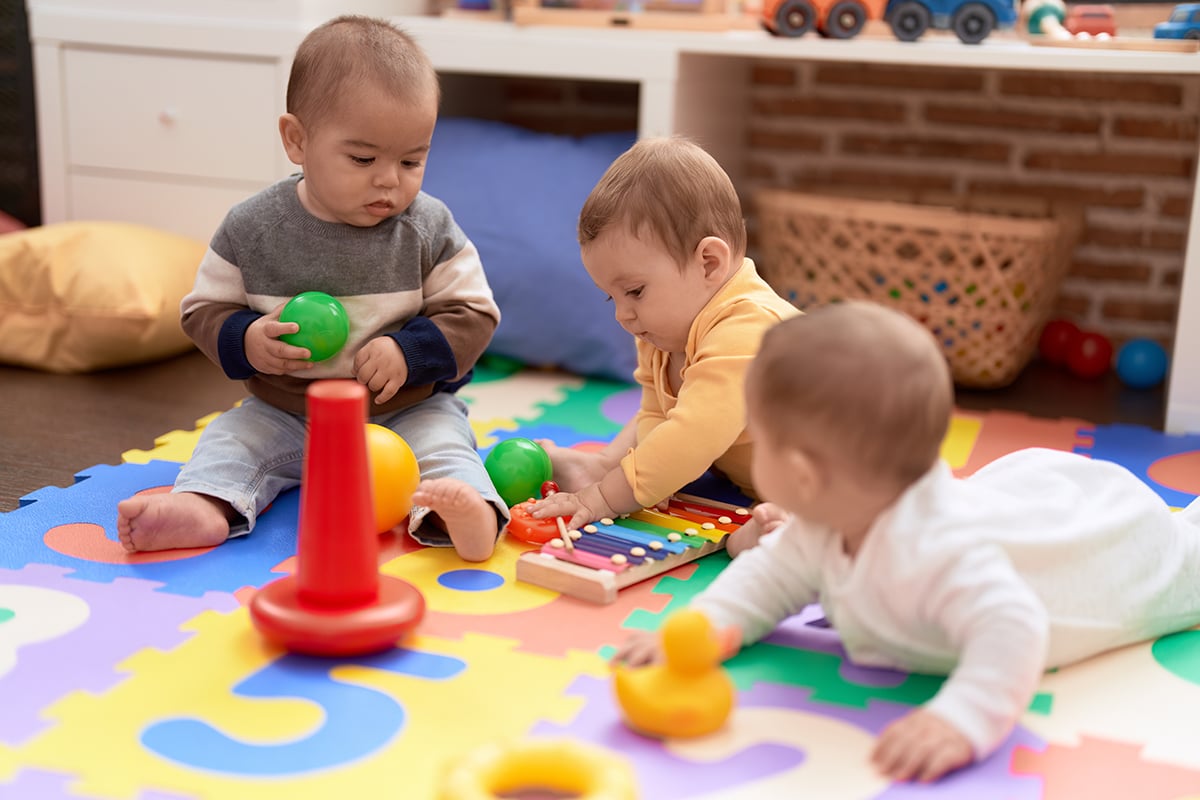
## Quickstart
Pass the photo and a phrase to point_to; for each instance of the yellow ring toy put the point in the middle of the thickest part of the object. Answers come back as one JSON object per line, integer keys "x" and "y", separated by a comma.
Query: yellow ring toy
{"x": 561, "y": 765}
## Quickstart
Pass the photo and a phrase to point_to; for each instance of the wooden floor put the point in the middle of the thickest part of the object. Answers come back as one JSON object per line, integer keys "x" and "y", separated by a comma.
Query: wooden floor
{"x": 52, "y": 426}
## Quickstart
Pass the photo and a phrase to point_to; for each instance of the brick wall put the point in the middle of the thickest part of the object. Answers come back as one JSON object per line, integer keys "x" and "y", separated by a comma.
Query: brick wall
{"x": 1130, "y": 159}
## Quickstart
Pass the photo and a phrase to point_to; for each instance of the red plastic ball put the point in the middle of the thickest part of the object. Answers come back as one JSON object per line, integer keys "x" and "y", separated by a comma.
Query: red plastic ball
{"x": 1059, "y": 338}
{"x": 1091, "y": 356}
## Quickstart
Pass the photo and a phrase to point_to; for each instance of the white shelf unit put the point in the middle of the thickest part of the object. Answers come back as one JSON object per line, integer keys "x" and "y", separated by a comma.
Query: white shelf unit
{"x": 689, "y": 82}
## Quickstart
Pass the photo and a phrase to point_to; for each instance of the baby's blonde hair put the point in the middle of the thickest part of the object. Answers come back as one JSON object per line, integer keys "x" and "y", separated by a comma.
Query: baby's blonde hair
{"x": 856, "y": 384}
{"x": 351, "y": 51}
{"x": 672, "y": 189}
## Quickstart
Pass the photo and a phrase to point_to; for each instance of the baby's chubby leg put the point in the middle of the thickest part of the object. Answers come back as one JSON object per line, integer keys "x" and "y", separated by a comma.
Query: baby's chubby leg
{"x": 148, "y": 522}
{"x": 468, "y": 518}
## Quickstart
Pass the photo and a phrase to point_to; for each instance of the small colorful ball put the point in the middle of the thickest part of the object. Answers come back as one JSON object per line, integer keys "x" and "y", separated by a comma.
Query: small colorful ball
{"x": 1090, "y": 356}
{"x": 324, "y": 326}
{"x": 518, "y": 467}
{"x": 1141, "y": 363}
{"x": 394, "y": 475}
{"x": 1057, "y": 340}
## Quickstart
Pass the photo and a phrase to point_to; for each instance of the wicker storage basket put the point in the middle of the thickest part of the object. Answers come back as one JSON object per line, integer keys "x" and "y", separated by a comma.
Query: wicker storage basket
{"x": 983, "y": 283}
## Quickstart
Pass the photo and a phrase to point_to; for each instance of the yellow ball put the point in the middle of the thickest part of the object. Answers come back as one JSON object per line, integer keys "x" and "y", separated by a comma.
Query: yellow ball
{"x": 394, "y": 476}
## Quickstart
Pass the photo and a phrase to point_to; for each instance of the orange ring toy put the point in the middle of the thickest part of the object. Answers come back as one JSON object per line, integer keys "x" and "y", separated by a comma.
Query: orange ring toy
{"x": 527, "y": 529}
{"x": 562, "y": 765}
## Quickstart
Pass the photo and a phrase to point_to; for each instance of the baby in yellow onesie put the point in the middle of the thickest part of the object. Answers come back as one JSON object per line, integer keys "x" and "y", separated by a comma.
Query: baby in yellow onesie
{"x": 662, "y": 235}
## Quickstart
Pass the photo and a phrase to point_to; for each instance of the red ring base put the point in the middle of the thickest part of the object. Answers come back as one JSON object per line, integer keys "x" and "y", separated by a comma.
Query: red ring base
{"x": 279, "y": 615}
{"x": 527, "y": 529}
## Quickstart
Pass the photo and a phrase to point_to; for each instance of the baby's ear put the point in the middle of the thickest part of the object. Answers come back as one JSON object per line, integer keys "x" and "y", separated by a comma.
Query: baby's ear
{"x": 716, "y": 258}
{"x": 292, "y": 134}
{"x": 807, "y": 473}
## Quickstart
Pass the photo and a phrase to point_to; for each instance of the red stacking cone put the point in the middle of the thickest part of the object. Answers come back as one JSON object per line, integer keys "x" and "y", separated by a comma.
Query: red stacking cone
{"x": 337, "y": 603}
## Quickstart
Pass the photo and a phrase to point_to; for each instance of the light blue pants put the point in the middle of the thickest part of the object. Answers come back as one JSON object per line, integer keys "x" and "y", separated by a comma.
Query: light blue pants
{"x": 251, "y": 453}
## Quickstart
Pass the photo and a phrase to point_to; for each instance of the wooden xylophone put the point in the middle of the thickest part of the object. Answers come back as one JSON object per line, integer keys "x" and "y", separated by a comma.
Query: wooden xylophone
{"x": 611, "y": 554}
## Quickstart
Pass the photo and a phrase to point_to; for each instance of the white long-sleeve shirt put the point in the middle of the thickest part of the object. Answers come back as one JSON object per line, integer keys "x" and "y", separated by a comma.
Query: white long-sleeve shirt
{"x": 1039, "y": 559}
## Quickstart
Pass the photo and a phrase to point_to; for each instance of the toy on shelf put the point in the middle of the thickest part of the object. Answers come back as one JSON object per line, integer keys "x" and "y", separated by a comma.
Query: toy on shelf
{"x": 337, "y": 603}
{"x": 323, "y": 323}
{"x": 1141, "y": 363}
{"x": 518, "y": 467}
{"x": 612, "y": 554}
{"x": 1183, "y": 23}
{"x": 835, "y": 19}
{"x": 566, "y": 767}
{"x": 972, "y": 21}
{"x": 395, "y": 474}
{"x": 689, "y": 694}
{"x": 1099, "y": 21}
{"x": 1049, "y": 23}
{"x": 704, "y": 15}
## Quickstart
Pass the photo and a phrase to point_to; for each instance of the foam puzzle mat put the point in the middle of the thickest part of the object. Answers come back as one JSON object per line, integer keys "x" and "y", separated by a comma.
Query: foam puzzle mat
{"x": 141, "y": 676}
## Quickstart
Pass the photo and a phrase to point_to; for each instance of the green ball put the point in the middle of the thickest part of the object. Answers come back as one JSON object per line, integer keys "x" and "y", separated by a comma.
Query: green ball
{"x": 324, "y": 326}
{"x": 518, "y": 467}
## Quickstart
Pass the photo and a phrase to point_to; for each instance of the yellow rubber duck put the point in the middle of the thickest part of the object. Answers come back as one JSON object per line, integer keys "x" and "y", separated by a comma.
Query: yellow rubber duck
{"x": 690, "y": 694}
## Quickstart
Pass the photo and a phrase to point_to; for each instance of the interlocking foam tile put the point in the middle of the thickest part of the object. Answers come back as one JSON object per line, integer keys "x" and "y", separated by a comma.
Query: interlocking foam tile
{"x": 596, "y": 408}
{"x": 1003, "y": 432}
{"x": 518, "y": 400}
{"x": 63, "y": 635}
{"x": 174, "y": 446}
{"x": 1169, "y": 464}
{"x": 41, "y": 785}
{"x": 75, "y": 527}
{"x": 224, "y": 715}
{"x": 1148, "y": 694}
{"x": 961, "y": 438}
{"x": 1100, "y": 768}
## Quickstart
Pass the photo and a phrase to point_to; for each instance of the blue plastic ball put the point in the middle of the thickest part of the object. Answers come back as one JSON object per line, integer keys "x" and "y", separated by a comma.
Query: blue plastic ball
{"x": 1141, "y": 363}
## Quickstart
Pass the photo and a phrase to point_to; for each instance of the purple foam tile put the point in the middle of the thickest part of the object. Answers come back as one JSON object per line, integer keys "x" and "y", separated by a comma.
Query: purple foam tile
{"x": 803, "y": 632}
{"x": 125, "y": 616}
{"x": 33, "y": 784}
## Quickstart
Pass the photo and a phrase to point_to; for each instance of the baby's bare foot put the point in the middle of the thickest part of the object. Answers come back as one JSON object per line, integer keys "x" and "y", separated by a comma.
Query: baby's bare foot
{"x": 171, "y": 521}
{"x": 469, "y": 519}
{"x": 574, "y": 469}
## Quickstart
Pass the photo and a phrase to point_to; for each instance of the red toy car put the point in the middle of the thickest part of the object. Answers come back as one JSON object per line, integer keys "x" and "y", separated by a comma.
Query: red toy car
{"x": 1092, "y": 20}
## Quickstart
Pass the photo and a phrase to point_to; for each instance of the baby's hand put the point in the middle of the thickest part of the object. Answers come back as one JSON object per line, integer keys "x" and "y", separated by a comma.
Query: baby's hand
{"x": 920, "y": 747}
{"x": 381, "y": 367}
{"x": 769, "y": 516}
{"x": 568, "y": 505}
{"x": 267, "y": 353}
{"x": 640, "y": 649}
{"x": 765, "y": 518}
{"x": 577, "y": 508}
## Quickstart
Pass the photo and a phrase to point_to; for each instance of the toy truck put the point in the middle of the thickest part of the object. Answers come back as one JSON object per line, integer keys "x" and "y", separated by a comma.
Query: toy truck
{"x": 835, "y": 19}
{"x": 971, "y": 20}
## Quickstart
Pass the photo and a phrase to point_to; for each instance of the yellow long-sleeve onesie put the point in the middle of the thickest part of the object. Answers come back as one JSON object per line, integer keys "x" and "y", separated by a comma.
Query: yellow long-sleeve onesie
{"x": 679, "y": 437}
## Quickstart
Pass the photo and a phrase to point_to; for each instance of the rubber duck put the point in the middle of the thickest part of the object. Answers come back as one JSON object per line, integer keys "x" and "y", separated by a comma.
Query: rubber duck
{"x": 687, "y": 695}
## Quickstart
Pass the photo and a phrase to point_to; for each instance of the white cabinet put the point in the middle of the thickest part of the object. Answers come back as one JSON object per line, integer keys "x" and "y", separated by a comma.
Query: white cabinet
{"x": 162, "y": 120}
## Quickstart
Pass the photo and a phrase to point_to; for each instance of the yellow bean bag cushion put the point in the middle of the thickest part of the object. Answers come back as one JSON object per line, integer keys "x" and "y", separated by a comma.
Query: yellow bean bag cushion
{"x": 81, "y": 296}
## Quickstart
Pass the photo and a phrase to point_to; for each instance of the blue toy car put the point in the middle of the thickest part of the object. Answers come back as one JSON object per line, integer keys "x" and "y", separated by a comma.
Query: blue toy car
{"x": 1184, "y": 23}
